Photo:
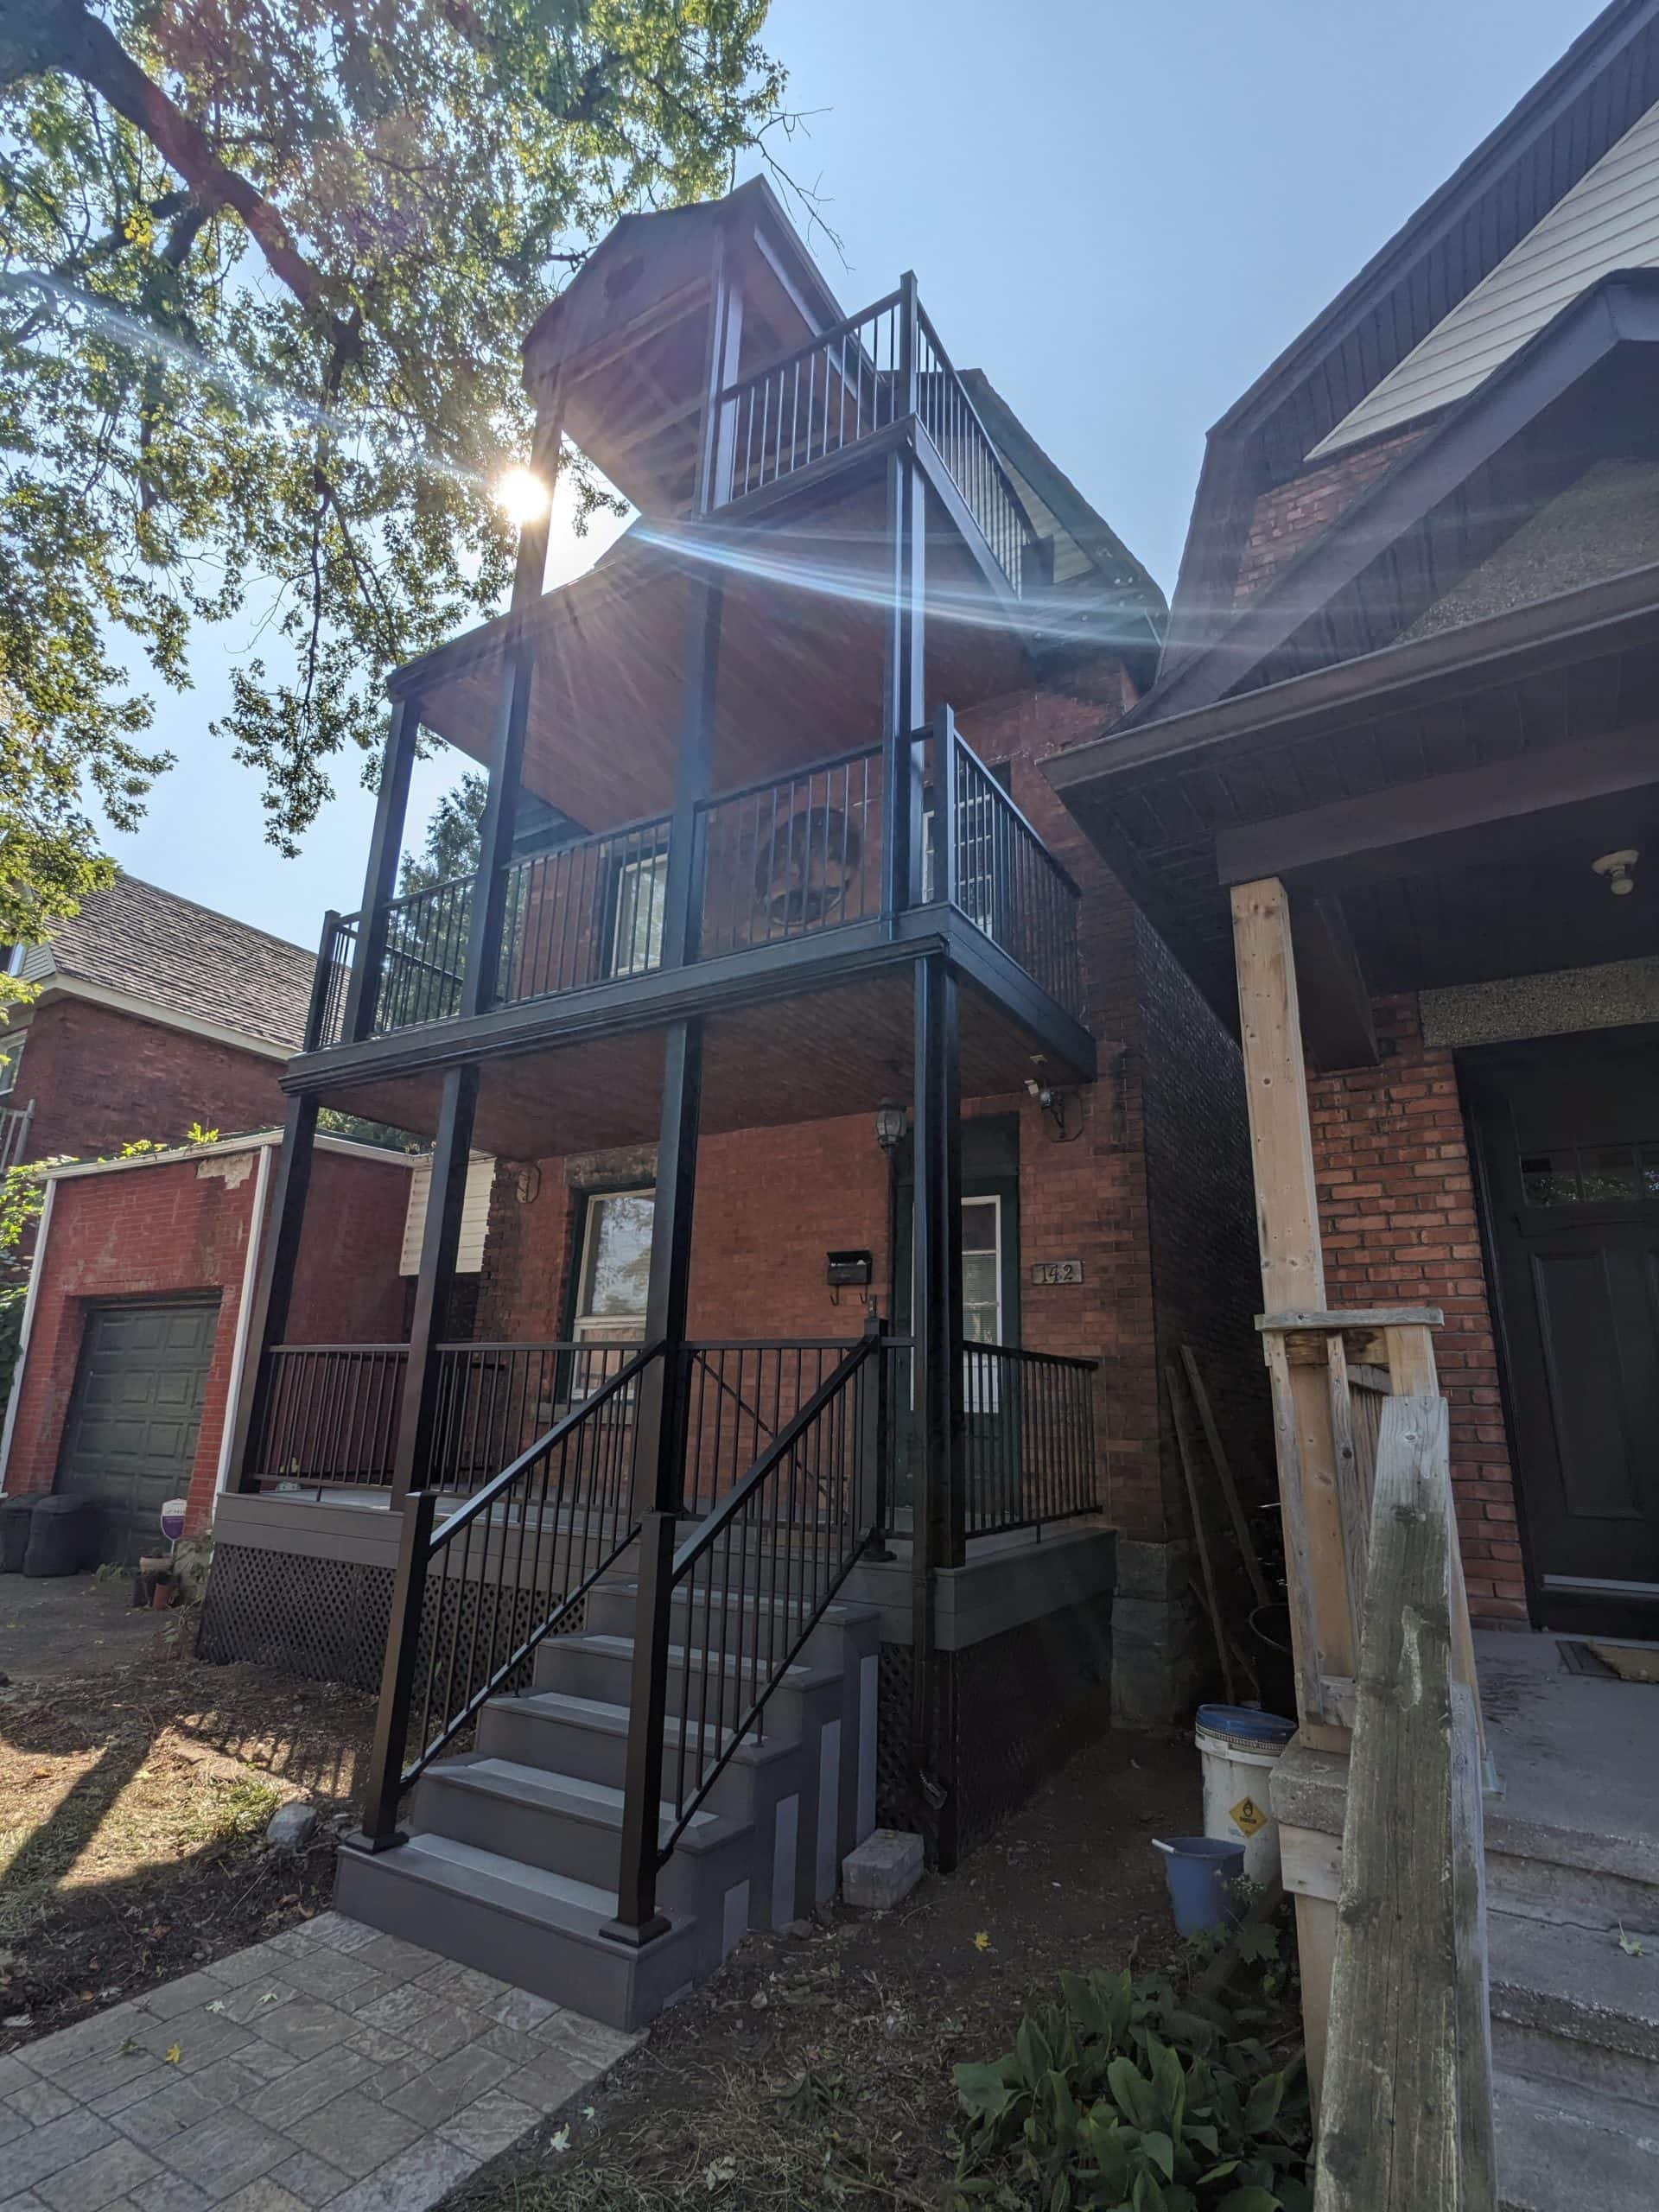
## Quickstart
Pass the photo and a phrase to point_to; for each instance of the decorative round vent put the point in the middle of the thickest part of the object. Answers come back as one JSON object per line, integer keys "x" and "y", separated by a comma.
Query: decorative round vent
{"x": 805, "y": 869}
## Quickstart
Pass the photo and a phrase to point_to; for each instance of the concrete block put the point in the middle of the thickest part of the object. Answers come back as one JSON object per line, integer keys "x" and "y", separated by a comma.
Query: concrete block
{"x": 885, "y": 1868}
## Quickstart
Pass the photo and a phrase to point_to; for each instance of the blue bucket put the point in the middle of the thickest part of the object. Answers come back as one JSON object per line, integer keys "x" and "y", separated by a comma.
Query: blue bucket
{"x": 1198, "y": 1869}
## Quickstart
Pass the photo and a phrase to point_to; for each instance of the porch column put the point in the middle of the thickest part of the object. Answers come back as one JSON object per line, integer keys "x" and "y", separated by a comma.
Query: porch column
{"x": 939, "y": 1505}
{"x": 481, "y": 985}
{"x": 905, "y": 687}
{"x": 1292, "y": 1280}
{"x": 546, "y": 446}
{"x": 440, "y": 1238}
{"x": 693, "y": 773}
{"x": 279, "y": 1245}
{"x": 381, "y": 879}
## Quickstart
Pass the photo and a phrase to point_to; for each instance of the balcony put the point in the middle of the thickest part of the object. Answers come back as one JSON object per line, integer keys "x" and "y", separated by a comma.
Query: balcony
{"x": 789, "y": 861}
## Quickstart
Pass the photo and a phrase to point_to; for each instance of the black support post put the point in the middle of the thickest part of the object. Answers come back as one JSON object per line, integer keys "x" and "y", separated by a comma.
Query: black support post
{"x": 445, "y": 1196}
{"x": 489, "y": 907}
{"x": 279, "y": 1249}
{"x": 903, "y": 702}
{"x": 380, "y": 880}
{"x": 939, "y": 1538}
{"x": 546, "y": 446}
{"x": 693, "y": 774}
{"x": 659, "y": 1480}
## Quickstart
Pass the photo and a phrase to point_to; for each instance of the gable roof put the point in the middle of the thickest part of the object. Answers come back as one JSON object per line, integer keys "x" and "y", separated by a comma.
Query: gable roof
{"x": 149, "y": 944}
{"x": 1549, "y": 141}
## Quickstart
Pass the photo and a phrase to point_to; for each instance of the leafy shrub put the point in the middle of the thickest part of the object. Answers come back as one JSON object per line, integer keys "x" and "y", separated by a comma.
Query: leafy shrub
{"x": 1121, "y": 2097}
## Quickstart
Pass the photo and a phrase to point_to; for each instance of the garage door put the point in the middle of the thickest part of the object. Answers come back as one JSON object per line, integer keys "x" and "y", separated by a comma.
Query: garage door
{"x": 131, "y": 1439}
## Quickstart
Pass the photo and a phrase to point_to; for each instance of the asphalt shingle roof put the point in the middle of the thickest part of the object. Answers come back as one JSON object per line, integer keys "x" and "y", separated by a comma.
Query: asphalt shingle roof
{"x": 152, "y": 944}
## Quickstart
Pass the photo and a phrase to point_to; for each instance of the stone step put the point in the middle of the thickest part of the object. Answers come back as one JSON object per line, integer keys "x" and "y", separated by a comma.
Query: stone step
{"x": 597, "y": 1665}
{"x": 567, "y": 1825}
{"x": 610, "y": 1612}
{"x": 1569, "y": 2006}
{"x": 1566, "y": 2150}
{"x": 537, "y": 1930}
{"x": 1582, "y": 1875}
{"x": 568, "y": 1733}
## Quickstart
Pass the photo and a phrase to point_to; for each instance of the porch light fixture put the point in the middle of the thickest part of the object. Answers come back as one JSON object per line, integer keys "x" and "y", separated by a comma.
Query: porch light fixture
{"x": 890, "y": 1125}
{"x": 1616, "y": 867}
{"x": 521, "y": 495}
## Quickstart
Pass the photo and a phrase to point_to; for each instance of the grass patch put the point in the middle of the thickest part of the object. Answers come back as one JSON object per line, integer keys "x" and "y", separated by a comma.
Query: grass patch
{"x": 226, "y": 1810}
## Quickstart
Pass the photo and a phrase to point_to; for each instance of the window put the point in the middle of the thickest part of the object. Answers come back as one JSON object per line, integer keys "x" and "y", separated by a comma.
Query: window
{"x": 981, "y": 1299}
{"x": 615, "y": 1267}
{"x": 11, "y": 1059}
{"x": 1591, "y": 1175}
{"x": 637, "y": 915}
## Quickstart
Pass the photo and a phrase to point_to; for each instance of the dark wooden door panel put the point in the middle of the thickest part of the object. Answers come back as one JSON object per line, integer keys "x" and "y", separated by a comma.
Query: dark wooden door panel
{"x": 1568, "y": 1134}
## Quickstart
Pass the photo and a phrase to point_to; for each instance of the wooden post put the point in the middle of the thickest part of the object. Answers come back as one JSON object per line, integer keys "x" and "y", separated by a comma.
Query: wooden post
{"x": 445, "y": 1196}
{"x": 279, "y": 1248}
{"x": 1293, "y": 1277}
{"x": 380, "y": 878}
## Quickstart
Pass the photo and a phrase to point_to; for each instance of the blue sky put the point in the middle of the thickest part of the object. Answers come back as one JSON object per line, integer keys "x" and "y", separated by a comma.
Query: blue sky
{"x": 1121, "y": 214}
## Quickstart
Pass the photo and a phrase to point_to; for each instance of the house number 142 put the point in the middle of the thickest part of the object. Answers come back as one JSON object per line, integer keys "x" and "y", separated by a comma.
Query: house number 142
{"x": 1049, "y": 1271}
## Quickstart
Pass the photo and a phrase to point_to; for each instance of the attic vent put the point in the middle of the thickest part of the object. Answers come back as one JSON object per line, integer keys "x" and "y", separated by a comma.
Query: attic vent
{"x": 623, "y": 278}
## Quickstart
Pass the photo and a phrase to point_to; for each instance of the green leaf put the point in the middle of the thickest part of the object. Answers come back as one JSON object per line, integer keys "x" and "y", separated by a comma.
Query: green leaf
{"x": 1250, "y": 2200}
{"x": 982, "y": 2090}
{"x": 1131, "y": 2092}
{"x": 1148, "y": 2197}
{"x": 1158, "y": 2148}
{"x": 1261, "y": 2107}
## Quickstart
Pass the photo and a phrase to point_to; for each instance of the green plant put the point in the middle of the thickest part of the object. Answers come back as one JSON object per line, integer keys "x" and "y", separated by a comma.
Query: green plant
{"x": 1121, "y": 2096}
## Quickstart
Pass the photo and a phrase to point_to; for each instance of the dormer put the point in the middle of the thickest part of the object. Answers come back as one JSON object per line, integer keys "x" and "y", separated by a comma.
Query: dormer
{"x": 624, "y": 356}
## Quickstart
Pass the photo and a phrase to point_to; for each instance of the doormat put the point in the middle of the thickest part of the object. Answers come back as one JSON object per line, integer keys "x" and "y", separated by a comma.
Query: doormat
{"x": 1612, "y": 1662}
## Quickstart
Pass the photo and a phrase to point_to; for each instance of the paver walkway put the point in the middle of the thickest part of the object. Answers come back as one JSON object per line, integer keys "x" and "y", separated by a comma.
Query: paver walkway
{"x": 330, "y": 2066}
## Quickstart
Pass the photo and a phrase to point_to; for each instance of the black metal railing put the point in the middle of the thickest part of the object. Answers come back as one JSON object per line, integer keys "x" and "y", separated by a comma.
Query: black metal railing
{"x": 476, "y": 1594}
{"x": 1028, "y": 1453}
{"x": 422, "y": 967}
{"x": 328, "y": 1415}
{"x": 729, "y": 1611}
{"x": 1006, "y": 880}
{"x": 585, "y": 912}
{"x": 13, "y": 1134}
{"x": 842, "y": 387}
{"x": 873, "y": 370}
{"x": 793, "y": 853}
{"x": 331, "y": 1414}
{"x": 740, "y": 1394}
{"x": 969, "y": 454}
{"x": 331, "y": 987}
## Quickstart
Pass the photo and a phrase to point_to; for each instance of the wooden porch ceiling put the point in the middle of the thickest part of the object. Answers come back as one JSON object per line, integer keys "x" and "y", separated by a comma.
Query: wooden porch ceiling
{"x": 801, "y": 665}
{"x": 1329, "y": 780}
{"x": 806, "y": 1058}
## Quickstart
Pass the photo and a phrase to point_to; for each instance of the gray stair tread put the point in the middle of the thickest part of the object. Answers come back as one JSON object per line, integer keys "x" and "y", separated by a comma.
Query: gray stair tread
{"x": 1542, "y": 1967}
{"x": 799, "y": 1675}
{"x": 840, "y": 1612}
{"x": 1561, "y": 1842}
{"x": 1564, "y": 2150}
{"x": 567, "y": 1794}
{"x": 486, "y": 1877}
{"x": 608, "y": 1720}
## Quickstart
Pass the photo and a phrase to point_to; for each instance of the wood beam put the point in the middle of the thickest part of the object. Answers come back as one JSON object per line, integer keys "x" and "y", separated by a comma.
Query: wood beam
{"x": 1337, "y": 1029}
{"x": 1406, "y": 828}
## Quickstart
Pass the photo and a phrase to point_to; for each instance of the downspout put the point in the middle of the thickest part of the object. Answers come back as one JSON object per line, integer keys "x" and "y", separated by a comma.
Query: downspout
{"x": 244, "y": 1316}
{"x": 35, "y": 1269}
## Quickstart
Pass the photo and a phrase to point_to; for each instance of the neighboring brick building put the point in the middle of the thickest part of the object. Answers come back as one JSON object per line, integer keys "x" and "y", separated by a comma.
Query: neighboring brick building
{"x": 136, "y": 1301}
{"x": 151, "y": 1013}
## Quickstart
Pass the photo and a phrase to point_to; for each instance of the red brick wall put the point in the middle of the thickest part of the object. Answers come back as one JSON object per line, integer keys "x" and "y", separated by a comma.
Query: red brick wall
{"x": 100, "y": 1079}
{"x": 1397, "y": 1215}
{"x": 183, "y": 1227}
{"x": 1288, "y": 515}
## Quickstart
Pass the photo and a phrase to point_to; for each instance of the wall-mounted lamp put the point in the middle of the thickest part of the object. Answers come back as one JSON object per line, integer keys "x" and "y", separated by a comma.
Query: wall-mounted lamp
{"x": 891, "y": 1122}
{"x": 1062, "y": 1109}
{"x": 1616, "y": 867}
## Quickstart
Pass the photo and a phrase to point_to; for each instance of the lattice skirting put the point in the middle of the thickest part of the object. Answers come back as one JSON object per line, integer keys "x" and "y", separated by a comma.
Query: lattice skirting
{"x": 1006, "y": 1714}
{"x": 327, "y": 1619}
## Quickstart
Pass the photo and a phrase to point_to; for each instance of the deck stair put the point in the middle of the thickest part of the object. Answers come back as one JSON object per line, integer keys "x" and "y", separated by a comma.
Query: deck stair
{"x": 512, "y": 1859}
{"x": 1573, "y": 1943}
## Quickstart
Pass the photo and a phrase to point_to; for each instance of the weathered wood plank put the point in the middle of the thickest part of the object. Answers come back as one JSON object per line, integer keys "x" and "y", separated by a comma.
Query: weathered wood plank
{"x": 1223, "y": 1468}
{"x": 1405, "y": 2119}
{"x": 1357, "y": 1317}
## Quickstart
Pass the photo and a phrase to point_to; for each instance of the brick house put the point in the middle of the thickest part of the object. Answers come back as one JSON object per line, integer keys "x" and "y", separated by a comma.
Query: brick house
{"x": 1393, "y": 802}
{"x": 863, "y": 1161}
{"x": 151, "y": 1012}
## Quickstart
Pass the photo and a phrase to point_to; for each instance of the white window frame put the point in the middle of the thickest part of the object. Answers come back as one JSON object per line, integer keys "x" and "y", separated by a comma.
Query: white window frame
{"x": 12, "y": 1042}
{"x": 627, "y": 958}
{"x": 587, "y": 1328}
{"x": 980, "y": 1381}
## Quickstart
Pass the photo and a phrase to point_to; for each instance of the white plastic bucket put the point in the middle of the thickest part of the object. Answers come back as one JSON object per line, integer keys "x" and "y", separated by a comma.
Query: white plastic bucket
{"x": 1240, "y": 1747}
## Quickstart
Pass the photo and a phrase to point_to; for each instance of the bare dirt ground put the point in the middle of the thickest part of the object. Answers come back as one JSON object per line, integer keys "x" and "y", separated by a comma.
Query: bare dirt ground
{"x": 815, "y": 2069}
{"x": 135, "y": 1785}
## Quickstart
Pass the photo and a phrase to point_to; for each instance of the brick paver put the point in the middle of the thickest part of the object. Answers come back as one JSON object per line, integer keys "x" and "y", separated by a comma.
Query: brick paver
{"x": 329, "y": 2066}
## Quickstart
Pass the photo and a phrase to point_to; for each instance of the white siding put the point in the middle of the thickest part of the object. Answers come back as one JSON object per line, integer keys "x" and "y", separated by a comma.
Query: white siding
{"x": 474, "y": 1216}
{"x": 1609, "y": 220}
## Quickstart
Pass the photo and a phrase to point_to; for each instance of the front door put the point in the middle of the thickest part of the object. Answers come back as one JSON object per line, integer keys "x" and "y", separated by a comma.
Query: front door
{"x": 1567, "y": 1138}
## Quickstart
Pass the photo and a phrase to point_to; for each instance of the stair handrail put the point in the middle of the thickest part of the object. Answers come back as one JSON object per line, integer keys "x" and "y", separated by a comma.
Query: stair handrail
{"x": 392, "y": 1770}
{"x": 656, "y": 1815}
